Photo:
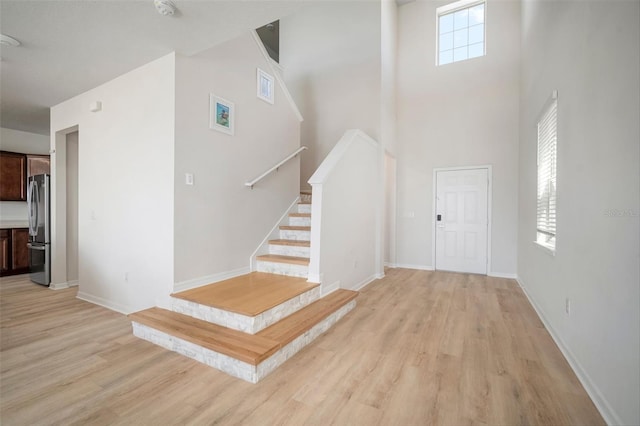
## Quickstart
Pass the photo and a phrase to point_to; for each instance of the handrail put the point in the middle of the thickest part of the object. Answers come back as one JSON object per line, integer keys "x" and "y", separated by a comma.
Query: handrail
{"x": 275, "y": 168}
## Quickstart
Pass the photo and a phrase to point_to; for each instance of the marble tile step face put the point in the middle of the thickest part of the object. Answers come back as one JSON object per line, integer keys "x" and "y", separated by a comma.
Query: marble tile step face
{"x": 285, "y": 250}
{"x": 232, "y": 366}
{"x": 300, "y": 271}
{"x": 274, "y": 361}
{"x": 225, "y": 363}
{"x": 295, "y": 235}
{"x": 244, "y": 323}
{"x": 305, "y": 198}
{"x": 299, "y": 221}
{"x": 304, "y": 208}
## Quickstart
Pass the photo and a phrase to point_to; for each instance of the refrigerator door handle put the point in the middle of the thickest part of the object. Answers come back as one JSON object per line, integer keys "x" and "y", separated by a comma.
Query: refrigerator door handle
{"x": 37, "y": 203}
{"x": 33, "y": 208}
{"x": 34, "y": 247}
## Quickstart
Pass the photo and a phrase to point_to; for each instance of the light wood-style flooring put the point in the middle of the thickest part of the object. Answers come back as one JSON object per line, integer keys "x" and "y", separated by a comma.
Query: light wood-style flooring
{"x": 420, "y": 348}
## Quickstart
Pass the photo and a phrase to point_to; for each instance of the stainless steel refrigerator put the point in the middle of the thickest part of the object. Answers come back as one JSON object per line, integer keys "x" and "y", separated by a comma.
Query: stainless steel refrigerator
{"x": 38, "y": 204}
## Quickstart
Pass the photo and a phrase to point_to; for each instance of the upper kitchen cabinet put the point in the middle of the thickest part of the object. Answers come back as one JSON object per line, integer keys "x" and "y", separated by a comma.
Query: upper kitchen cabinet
{"x": 13, "y": 176}
{"x": 38, "y": 164}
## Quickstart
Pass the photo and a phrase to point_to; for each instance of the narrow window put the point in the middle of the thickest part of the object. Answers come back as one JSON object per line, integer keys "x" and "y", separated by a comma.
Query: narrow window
{"x": 460, "y": 31}
{"x": 547, "y": 147}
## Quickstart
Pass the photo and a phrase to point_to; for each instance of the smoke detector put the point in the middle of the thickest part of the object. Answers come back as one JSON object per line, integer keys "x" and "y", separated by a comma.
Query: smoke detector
{"x": 5, "y": 40}
{"x": 165, "y": 7}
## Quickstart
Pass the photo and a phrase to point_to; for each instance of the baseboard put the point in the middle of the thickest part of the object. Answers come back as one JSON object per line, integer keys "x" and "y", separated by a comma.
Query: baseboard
{"x": 329, "y": 289}
{"x": 419, "y": 267}
{"x": 96, "y": 300}
{"x": 607, "y": 413}
{"x": 362, "y": 284}
{"x": 502, "y": 275}
{"x": 209, "y": 279}
{"x": 390, "y": 265}
{"x": 62, "y": 286}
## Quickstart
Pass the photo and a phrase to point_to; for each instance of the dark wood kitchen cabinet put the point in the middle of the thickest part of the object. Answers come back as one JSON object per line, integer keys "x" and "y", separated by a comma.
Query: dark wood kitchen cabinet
{"x": 13, "y": 176}
{"x": 19, "y": 250}
{"x": 5, "y": 250}
{"x": 38, "y": 164}
{"x": 14, "y": 254}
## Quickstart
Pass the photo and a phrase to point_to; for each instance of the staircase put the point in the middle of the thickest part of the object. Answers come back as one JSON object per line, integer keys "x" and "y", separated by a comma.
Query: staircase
{"x": 289, "y": 255}
{"x": 249, "y": 325}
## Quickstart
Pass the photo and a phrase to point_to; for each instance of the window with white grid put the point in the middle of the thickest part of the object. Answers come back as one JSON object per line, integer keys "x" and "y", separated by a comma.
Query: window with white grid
{"x": 461, "y": 31}
{"x": 547, "y": 149}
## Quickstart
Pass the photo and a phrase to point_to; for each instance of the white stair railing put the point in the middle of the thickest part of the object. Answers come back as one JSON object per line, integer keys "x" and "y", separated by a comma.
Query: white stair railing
{"x": 275, "y": 168}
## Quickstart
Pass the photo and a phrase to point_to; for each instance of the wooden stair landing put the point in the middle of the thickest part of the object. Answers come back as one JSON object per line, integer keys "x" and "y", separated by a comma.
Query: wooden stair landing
{"x": 252, "y": 349}
{"x": 250, "y": 294}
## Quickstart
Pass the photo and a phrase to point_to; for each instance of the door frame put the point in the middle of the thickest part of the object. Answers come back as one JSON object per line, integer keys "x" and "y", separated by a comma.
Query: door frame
{"x": 489, "y": 169}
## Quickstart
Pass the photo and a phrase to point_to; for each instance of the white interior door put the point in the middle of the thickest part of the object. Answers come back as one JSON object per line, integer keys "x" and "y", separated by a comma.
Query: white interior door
{"x": 462, "y": 220}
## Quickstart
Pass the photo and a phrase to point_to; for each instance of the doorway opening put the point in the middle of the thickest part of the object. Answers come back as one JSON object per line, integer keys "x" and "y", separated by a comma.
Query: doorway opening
{"x": 64, "y": 209}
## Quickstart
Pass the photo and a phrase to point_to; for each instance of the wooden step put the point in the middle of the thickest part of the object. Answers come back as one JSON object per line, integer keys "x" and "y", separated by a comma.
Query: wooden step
{"x": 252, "y": 349}
{"x": 295, "y": 228}
{"x": 278, "y": 258}
{"x": 299, "y": 214}
{"x": 305, "y": 191}
{"x": 297, "y": 243}
{"x": 304, "y": 202}
{"x": 250, "y": 294}
{"x": 248, "y": 348}
{"x": 298, "y": 323}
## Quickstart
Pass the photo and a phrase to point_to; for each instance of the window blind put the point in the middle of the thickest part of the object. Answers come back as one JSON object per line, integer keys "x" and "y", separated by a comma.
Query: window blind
{"x": 547, "y": 146}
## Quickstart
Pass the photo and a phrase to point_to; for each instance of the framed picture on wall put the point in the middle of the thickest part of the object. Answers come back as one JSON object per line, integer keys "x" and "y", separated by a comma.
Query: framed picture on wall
{"x": 265, "y": 86}
{"x": 221, "y": 114}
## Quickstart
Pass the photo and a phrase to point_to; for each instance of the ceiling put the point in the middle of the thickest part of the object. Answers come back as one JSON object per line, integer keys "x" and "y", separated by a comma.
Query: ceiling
{"x": 69, "y": 47}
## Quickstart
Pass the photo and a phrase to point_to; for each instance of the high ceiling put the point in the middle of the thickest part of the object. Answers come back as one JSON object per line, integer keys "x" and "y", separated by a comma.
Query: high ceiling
{"x": 69, "y": 47}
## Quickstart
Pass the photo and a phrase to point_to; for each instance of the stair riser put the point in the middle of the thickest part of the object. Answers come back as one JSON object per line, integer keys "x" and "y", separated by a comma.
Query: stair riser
{"x": 304, "y": 208}
{"x": 289, "y": 250}
{"x": 290, "y": 270}
{"x": 299, "y": 221}
{"x": 295, "y": 235}
{"x": 232, "y": 366}
{"x": 246, "y": 324}
{"x": 305, "y": 198}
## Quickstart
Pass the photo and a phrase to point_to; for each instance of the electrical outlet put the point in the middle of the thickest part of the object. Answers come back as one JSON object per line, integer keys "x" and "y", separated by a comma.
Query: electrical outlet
{"x": 567, "y": 306}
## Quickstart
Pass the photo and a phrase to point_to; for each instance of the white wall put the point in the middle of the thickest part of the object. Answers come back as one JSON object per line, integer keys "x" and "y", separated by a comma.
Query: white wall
{"x": 125, "y": 191}
{"x": 330, "y": 52}
{"x": 460, "y": 114}
{"x": 344, "y": 225}
{"x": 23, "y": 142}
{"x": 388, "y": 75}
{"x": 589, "y": 52}
{"x": 218, "y": 221}
{"x": 26, "y": 143}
